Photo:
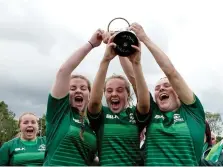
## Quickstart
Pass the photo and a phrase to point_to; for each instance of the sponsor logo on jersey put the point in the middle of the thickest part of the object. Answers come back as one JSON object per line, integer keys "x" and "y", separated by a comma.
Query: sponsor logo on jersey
{"x": 42, "y": 147}
{"x": 76, "y": 120}
{"x": 112, "y": 116}
{"x": 20, "y": 149}
{"x": 177, "y": 118}
{"x": 159, "y": 117}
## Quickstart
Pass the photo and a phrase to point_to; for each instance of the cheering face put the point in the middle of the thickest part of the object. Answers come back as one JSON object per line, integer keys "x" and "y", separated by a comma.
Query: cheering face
{"x": 116, "y": 95}
{"x": 213, "y": 138}
{"x": 166, "y": 97}
{"x": 79, "y": 93}
{"x": 28, "y": 127}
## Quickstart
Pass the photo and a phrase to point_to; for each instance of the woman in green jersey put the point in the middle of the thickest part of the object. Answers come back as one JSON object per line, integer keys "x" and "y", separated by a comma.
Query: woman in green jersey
{"x": 116, "y": 125}
{"x": 27, "y": 149}
{"x": 70, "y": 139}
{"x": 175, "y": 131}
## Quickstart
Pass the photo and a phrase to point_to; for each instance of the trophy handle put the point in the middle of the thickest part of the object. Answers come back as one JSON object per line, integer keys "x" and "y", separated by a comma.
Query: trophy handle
{"x": 117, "y": 19}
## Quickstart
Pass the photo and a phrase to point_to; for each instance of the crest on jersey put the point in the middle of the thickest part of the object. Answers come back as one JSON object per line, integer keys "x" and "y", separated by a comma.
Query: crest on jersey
{"x": 42, "y": 147}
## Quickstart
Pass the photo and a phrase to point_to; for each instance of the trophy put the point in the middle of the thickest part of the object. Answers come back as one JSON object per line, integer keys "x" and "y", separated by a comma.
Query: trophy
{"x": 124, "y": 39}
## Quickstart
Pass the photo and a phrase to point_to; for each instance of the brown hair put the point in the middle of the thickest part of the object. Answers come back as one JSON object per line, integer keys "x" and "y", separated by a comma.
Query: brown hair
{"x": 127, "y": 85}
{"x": 208, "y": 133}
{"x": 82, "y": 114}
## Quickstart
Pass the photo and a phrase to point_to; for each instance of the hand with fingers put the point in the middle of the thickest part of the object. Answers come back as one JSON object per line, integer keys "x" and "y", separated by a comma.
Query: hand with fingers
{"x": 110, "y": 52}
{"x": 96, "y": 38}
{"x": 135, "y": 58}
{"x": 139, "y": 31}
{"x": 106, "y": 35}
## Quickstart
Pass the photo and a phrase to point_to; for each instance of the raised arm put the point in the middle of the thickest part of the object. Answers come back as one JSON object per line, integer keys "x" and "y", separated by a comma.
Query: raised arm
{"x": 179, "y": 85}
{"x": 128, "y": 70}
{"x": 143, "y": 97}
{"x": 125, "y": 63}
{"x": 61, "y": 85}
{"x": 94, "y": 105}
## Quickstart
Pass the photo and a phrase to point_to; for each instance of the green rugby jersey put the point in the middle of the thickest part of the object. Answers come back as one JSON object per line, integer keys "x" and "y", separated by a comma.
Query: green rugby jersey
{"x": 175, "y": 138}
{"x": 118, "y": 137}
{"x": 64, "y": 146}
{"x": 17, "y": 152}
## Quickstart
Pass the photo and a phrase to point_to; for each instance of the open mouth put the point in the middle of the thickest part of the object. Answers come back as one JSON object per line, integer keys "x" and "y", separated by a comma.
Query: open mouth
{"x": 163, "y": 96}
{"x": 78, "y": 100}
{"x": 115, "y": 103}
{"x": 29, "y": 131}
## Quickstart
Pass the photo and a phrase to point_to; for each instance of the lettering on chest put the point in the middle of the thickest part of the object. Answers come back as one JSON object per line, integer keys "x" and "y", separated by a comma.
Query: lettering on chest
{"x": 108, "y": 116}
{"x": 42, "y": 147}
{"x": 20, "y": 149}
{"x": 77, "y": 121}
{"x": 159, "y": 117}
{"x": 177, "y": 118}
{"x": 130, "y": 119}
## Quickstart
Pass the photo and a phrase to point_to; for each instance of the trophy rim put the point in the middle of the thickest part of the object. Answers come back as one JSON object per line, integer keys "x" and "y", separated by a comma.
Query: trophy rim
{"x": 121, "y": 18}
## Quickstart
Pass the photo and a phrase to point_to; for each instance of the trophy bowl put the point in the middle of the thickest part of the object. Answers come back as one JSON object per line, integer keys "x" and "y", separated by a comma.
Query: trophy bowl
{"x": 123, "y": 40}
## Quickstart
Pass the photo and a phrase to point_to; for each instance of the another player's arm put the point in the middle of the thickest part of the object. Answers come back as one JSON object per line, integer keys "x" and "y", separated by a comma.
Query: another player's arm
{"x": 128, "y": 70}
{"x": 179, "y": 85}
{"x": 61, "y": 85}
{"x": 143, "y": 98}
{"x": 94, "y": 105}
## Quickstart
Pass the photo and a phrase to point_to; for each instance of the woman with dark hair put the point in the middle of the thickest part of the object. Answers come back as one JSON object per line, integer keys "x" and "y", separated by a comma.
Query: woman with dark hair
{"x": 207, "y": 140}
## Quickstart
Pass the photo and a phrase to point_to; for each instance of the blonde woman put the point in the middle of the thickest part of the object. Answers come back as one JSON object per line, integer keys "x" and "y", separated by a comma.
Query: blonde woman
{"x": 70, "y": 139}
{"x": 27, "y": 149}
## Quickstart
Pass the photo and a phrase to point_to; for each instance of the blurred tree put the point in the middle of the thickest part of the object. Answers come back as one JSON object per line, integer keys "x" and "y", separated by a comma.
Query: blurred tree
{"x": 215, "y": 122}
{"x": 218, "y": 138}
{"x": 8, "y": 125}
{"x": 42, "y": 125}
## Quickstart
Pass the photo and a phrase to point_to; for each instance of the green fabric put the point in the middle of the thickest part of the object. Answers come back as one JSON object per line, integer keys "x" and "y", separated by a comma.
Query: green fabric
{"x": 64, "y": 144}
{"x": 19, "y": 153}
{"x": 33, "y": 142}
{"x": 205, "y": 147}
{"x": 175, "y": 138}
{"x": 210, "y": 163}
{"x": 118, "y": 137}
{"x": 215, "y": 152}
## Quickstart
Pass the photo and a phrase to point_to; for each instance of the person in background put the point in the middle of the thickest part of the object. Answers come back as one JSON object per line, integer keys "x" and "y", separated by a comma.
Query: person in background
{"x": 207, "y": 140}
{"x": 27, "y": 149}
{"x": 213, "y": 138}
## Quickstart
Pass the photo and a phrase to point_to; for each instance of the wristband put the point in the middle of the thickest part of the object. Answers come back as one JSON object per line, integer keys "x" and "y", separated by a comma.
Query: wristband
{"x": 91, "y": 44}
